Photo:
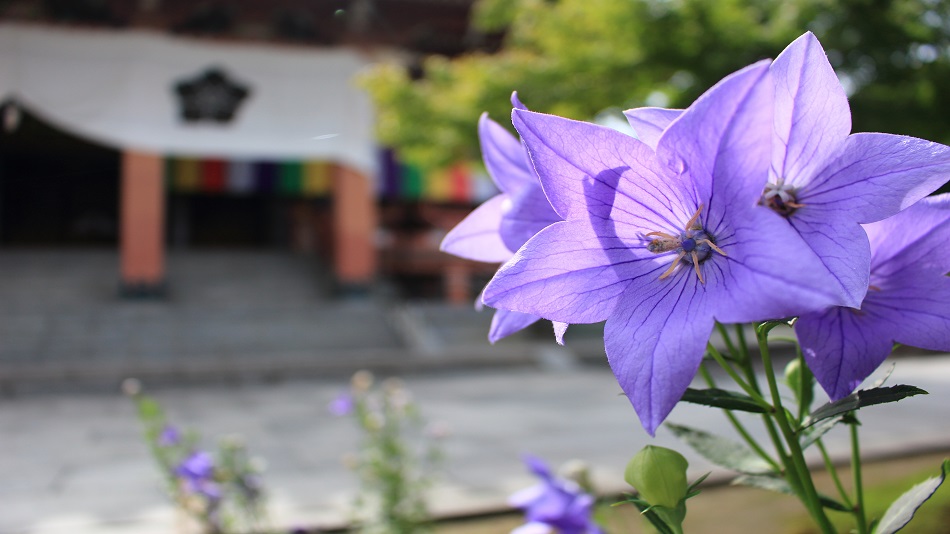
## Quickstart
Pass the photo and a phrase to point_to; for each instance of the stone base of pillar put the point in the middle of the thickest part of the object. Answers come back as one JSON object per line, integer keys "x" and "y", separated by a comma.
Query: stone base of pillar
{"x": 143, "y": 290}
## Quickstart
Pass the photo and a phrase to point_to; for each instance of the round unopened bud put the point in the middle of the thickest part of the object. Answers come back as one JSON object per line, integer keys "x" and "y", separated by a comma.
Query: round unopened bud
{"x": 131, "y": 387}
{"x": 362, "y": 381}
{"x": 793, "y": 374}
{"x": 659, "y": 474}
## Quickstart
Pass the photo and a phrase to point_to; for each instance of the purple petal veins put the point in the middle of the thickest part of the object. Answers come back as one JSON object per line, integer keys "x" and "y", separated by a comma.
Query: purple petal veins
{"x": 907, "y": 301}
{"x": 824, "y": 181}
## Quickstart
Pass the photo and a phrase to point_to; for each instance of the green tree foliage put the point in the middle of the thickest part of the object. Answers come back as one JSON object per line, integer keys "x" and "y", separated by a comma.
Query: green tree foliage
{"x": 576, "y": 58}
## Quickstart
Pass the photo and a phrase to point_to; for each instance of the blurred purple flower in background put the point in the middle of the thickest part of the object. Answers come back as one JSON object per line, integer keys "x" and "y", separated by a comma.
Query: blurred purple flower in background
{"x": 169, "y": 437}
{"x": 661, "y": 245}
{"x": 908, "y": 301}
{"x": 343, "y": 404}
{"x": 554, "y": 505}
{"x": 496, "y": 229}
{"x": 197, "y": 473}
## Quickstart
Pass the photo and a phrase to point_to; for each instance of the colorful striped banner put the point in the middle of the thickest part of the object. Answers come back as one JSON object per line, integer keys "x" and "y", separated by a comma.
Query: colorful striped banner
{"x": 240, "y": 177}
{"x": 461, "y": 183}
{"x": 212, "y": 176}
{"x": 187, "y": 177}
{"x": 316, "y": 179}
{"x": 290, "y": 181}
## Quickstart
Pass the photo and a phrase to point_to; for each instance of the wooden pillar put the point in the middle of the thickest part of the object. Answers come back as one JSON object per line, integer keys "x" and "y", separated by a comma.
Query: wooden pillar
{"x": 142, "y": 234}
{"x": 354, "y": 228}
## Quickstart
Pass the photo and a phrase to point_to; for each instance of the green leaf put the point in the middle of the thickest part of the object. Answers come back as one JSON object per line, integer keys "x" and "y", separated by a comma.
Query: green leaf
{"x": 779, "y": 485}
{"x": 720, "y": 398}
{"x": 721, "y": 451}
{"x": 902, "y": 510}
{"x": 860, "y": 399}
{"x": 691, "y": 491}
{"x": 819, "y": 429}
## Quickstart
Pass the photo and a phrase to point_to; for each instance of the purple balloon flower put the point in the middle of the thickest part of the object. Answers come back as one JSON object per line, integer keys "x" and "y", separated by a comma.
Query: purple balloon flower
{"x": 661, "y": 245}
{"x": 169, "y": 436}
{"x": 554, "y": 505}
{"x": 823, "y": 181}
{"x": 497, "y": 228}
{"x": 908, "y": 301}
{"x": 342, "y": 404}
{"x": 197, "y": 473}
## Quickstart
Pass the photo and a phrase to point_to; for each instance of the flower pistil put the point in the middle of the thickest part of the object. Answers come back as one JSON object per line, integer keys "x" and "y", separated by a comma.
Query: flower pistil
{"x": 780, "y": 198}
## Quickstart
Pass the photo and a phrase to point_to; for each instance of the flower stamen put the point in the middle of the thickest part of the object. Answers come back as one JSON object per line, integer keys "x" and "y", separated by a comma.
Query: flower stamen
{"x": 693, "y": 246}
{"x": 673, "y": 266}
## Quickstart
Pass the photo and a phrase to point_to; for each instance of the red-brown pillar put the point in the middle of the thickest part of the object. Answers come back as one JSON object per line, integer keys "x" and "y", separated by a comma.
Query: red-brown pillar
{"x": 354, "y": 227}
{"x": 142, "y": 235}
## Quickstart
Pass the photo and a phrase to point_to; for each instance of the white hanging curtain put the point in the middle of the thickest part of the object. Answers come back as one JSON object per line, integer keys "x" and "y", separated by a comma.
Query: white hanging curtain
{"x": 119, "y": 88}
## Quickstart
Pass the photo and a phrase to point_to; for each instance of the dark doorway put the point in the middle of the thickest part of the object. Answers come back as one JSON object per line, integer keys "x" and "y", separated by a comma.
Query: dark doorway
{"x": 56, "y": 189}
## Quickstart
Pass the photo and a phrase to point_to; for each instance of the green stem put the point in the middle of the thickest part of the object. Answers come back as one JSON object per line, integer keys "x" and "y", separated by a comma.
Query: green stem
{"x": 750, "y": 441}
{"x": 743, "y": 348}
{"x": 859, "y": 511}
{"x": 726, "y": 339}
{"x": 808, "y": 494}
{"x": 830, "y": 467}
{"x": 735, "y": 377}
{"x": 766, "y": 420}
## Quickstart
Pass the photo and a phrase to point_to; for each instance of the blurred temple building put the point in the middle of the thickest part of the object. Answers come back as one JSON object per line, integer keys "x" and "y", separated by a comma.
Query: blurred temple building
{"x": 158, "y": 125}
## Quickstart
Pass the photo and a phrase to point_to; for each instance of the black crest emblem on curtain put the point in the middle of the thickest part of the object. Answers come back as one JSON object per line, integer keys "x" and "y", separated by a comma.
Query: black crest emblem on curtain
{"x": 211, "y": 96}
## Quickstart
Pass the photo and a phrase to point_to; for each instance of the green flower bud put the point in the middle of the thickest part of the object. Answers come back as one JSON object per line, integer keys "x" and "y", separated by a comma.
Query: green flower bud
{"x": 659, "y": 474}
{"x": 800, "y": 381}
{"x": 793, "y": 375}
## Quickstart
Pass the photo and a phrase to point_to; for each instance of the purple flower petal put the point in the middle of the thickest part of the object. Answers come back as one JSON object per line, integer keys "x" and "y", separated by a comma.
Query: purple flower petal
{"x": 516, "y": 102}
{"x": 719, "y": 140}
{"x": 838, "y": 348}
{"x": 170, "y": 436}
{"x": 559, "y": 330}
{"x": 842, "y": 247}
{"x": 342, "y": 404}
{"x": 579, "y": 163}
{"x": 504, "y": 323}
{"x": 812, "y": 117}
{"x": 566, "y": 273}
{"x": 504, "y": 157}
{"x": 529, "y": 213}
{"x": 477, "y": 236}
{"x": 768, "y": 274}
{"x": 655, "y": 344}
{"x": 538, "y": 466}
{"x": 533, "y": 528}
{"x": 878, "y": 175}
{"x": 900, "y": 247}
{"x": 649, "y": 123}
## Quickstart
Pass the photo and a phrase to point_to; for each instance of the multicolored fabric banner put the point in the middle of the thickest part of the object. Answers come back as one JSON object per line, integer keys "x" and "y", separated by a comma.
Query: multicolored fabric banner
{"x": 245, "y": 177}
{"x": 462, "y": 183}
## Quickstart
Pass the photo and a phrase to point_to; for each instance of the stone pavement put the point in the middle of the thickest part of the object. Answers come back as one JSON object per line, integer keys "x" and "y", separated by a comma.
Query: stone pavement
{"x": 75, "y": 463}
